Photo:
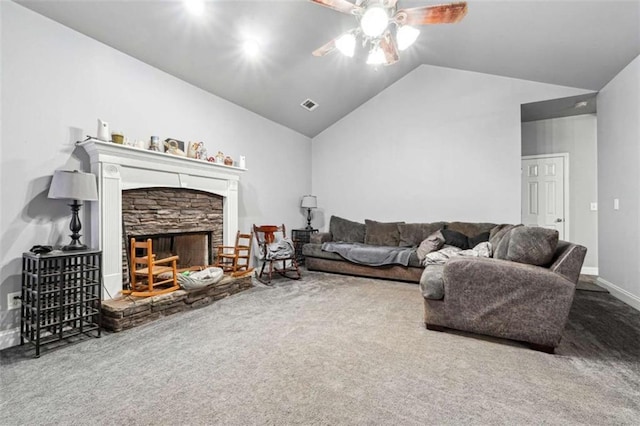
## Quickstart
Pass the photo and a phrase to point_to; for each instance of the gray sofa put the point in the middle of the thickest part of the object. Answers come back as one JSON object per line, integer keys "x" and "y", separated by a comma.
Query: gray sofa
{"x": 524, "y": 292}
{"x": 382, "y": 234}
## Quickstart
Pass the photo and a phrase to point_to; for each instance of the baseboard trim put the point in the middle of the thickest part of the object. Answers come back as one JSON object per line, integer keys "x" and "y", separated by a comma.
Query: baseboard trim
{"x": 620, "y": 293}
{"x": 589, "y": 270}
{"x": 9, "y": 338}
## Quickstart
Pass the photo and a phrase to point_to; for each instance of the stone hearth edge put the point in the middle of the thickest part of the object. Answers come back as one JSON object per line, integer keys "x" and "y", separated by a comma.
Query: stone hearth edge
{"x": 127, "y": 312}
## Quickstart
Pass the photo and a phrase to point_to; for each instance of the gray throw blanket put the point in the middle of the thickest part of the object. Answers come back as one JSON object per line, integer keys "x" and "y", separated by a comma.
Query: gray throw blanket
{"x": 370, "y": 255}
{"x": 282, "y": 249}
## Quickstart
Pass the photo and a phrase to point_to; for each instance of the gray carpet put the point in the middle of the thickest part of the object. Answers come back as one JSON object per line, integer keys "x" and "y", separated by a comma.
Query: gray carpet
{"x": 330, "y": 350}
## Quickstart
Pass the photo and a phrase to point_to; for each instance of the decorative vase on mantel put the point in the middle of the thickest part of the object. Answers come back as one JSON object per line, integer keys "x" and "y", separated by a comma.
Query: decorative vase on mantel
{"x": 220, "y": 157}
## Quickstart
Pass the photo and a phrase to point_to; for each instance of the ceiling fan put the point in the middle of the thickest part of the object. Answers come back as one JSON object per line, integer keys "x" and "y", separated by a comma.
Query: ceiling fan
{"x": 384, "y": 29}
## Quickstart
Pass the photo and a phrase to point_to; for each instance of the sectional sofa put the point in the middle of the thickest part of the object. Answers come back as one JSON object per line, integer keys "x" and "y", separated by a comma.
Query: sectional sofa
{"x": 522, "y": 291}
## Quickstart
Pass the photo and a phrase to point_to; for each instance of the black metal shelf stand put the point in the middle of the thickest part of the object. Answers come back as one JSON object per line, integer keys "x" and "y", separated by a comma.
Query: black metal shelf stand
{"x": 61, "y": 296}
{"x": 300, "y": 237}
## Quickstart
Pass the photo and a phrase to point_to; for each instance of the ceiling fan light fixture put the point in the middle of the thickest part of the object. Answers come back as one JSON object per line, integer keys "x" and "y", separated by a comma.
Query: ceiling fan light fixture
{"x": 346, "y": 44}
{"x": 374, "y": 21}
{"x": 376, "y": 56}
{"x": 406, "y": 36}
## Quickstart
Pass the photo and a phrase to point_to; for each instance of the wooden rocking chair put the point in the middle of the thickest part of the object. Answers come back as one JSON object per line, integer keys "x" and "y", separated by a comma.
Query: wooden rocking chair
{"x": 146, "y": 268}
{"x": 235, "y": 258}
{"x": 272, "y": 255}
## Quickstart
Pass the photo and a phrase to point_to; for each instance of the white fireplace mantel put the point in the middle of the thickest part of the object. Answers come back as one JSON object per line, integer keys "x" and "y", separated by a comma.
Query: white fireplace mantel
{"x": 120, "y": 167}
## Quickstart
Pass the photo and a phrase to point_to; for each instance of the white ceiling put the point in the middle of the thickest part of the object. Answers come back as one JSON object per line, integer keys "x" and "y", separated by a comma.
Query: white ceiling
{"x": 573, "y": 43}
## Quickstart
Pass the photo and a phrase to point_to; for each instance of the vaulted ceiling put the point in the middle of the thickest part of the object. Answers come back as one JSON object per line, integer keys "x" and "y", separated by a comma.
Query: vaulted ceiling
{"x": 573, "y": 43}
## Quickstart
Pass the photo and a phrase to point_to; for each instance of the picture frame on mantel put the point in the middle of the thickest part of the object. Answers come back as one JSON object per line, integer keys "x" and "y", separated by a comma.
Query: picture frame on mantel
{"x": 180, "y": 144}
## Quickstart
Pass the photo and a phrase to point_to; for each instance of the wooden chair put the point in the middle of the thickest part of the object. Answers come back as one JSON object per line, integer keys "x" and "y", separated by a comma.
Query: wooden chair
{"x": 273, "y": 252}
{"x": 145, "y": 269}
{"x": 235, "y": 258}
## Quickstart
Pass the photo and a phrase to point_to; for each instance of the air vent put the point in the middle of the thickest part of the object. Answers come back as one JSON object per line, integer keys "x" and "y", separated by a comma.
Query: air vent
{"x": 309, "y": 105}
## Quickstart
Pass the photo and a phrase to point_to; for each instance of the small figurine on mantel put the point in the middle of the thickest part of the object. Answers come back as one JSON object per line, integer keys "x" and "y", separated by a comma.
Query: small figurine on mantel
{"x": 202, "y": 153}
{"x": 220, "y": 157}
{"x": 194, "y": 149}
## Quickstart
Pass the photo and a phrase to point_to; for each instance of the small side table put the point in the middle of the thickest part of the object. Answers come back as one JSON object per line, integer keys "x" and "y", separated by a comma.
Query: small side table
{"x": 301, "y": 237}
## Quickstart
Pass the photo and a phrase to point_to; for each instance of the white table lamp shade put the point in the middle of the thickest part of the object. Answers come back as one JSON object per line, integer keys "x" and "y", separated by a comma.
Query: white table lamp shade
{"x": 309, "y": 202}
{"x": 73, "y": 185}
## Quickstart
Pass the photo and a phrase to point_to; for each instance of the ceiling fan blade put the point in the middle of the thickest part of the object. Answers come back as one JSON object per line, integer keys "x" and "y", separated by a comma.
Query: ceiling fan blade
{"x": 388, "y": 46}
{"x": 440, "y": 14}
{"x": 323, "y": 50}
{"x": 343, "y": 6}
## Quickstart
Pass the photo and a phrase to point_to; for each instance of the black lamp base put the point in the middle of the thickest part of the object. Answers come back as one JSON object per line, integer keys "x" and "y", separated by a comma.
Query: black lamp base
{"x": 308, "y": 219}
{"x": 72, "y": 247}
{"x": 75, "y": 226}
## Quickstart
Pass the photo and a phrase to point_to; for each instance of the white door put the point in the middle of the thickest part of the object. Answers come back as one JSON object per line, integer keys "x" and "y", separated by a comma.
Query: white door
{"x": 543, "y": 192}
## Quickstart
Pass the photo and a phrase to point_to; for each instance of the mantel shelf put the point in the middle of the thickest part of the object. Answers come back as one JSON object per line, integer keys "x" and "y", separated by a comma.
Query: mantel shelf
{"x": 103, "y": 149}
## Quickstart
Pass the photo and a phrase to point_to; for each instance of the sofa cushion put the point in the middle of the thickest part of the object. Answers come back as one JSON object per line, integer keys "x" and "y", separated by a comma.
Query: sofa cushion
{"x": 470, "y": 229}
{"x": 497, "y": 232}
{"x": 499, "y": 239}
{"x": 412, "y": 234}
{"x": 346, "y": 230}
{"x": 433, "y": 242}
{"x": 532, "y": 245}
{"x": 315, "y": 250}
{"x": 381, "y": 233}
{"x": 480, "y": 238}
{"x": 455, "y": 238}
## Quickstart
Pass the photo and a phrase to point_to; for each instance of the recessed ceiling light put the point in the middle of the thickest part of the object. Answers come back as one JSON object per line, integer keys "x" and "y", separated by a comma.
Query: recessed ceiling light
{"x": 195, "y": 7}
{"x": 251, "y": 47}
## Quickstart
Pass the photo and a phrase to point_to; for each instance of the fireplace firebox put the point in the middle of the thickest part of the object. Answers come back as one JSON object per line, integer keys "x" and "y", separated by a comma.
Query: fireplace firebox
{"x": 179, "y": 221}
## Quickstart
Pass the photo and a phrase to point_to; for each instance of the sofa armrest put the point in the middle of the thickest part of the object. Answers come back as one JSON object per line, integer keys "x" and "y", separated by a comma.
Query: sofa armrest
{"x": 568, "y": 260}
{"x": 484, "y": 278}
{"x": 320, "y": 237}
{"x": 507, "y": 299}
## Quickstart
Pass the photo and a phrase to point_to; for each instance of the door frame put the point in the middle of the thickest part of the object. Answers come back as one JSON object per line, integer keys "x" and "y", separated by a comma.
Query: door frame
{"x": 565, "y": 179}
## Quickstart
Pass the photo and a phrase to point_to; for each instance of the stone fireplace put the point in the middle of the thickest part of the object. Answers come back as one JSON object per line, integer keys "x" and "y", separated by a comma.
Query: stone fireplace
{"x": 179, "y": 221}
{"x": 121, "y": 169}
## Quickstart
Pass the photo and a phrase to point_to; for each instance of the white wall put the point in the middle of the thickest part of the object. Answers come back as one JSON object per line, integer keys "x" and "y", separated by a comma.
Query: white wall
{"x": 619, "y": 177}
{"x": 57, "y": 82}
{"x": 439, "y": 144}
{"x": 577, "y": 136}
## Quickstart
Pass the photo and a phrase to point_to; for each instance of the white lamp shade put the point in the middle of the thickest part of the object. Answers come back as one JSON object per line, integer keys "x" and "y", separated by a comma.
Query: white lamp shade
{"x": 73, "y": 185}
{"x": 376, "y": 56}
{"x": 346, "y": 44}
{"x": 406, "y": 35}
{"x": 309, "y": 202}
